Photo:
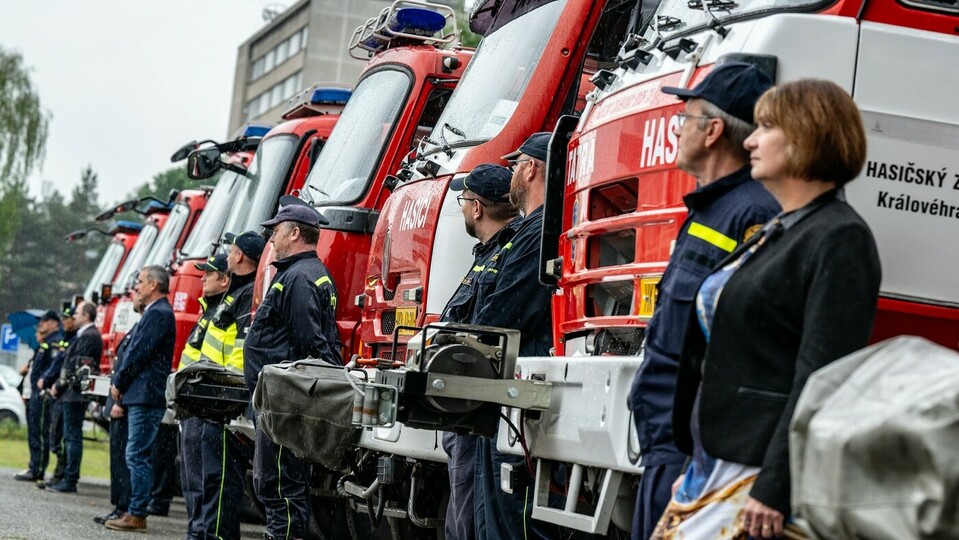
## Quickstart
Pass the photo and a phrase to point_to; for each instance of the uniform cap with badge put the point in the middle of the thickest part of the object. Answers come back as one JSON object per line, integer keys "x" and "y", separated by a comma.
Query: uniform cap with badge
{"x": 535, "y": 147}
{"x": 249, "y": 243}
{"x": 216, "y": 263}
{"x": 734, "y": 87}
{"x": 294, "y": 209}
{"x": 488, "y": 180}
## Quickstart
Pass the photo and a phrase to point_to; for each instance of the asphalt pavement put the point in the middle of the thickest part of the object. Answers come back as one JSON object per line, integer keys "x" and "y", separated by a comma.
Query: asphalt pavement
{"x": 29, "y": 513}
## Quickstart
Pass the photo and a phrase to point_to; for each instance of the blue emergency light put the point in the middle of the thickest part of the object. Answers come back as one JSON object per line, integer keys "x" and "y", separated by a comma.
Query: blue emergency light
{"x": 126, "y": 226}
{"x": 412, "y": 20}
{"x": 253, "y": 130}
{"x": 330, "y": 96}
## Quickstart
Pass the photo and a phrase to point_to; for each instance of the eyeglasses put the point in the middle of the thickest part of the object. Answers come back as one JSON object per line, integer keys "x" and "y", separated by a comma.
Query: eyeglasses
{"x": 512, "y": 165}
{"x": 460, "y": 199}
{"x": 683, "y": 116}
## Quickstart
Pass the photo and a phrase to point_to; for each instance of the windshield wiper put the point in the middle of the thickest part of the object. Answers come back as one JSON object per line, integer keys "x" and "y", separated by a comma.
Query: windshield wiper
{"x": 318, "y": 190}
{"x": 453, "y": 130}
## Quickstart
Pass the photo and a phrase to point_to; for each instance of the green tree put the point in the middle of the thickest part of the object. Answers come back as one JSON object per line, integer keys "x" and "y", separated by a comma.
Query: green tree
{"x": 41, "y": 268}
{"x": 23, "y": 137}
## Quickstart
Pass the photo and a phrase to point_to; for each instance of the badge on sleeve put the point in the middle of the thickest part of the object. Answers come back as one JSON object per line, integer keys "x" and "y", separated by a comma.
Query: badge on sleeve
{"x": 751, "y": 231}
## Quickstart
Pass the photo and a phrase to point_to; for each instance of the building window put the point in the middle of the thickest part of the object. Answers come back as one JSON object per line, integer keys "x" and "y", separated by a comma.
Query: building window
{"x": 274, "y": 96}
{"x": 279, "y": 54}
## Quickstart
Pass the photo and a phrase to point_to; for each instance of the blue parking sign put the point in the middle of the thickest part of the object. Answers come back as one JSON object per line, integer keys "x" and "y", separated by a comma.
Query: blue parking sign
{"x": 10, "y": 341}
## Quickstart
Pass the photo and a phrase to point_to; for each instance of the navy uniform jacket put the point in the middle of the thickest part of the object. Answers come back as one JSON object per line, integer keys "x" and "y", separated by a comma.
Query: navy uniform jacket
{"x": 509, "y": 294}
{"x": 141, "y": 377}
{"x": 43, "y": 358}
{"x": 460, "y": 307}
{"x": 85, "y": 349}
{"x": 52, "y": 373}
{"x": 721, "y": 216}
{"x": 296, "y": 320}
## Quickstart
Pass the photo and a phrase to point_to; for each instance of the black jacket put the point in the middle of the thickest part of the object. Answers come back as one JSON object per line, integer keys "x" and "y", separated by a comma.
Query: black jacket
{"x": 807, "y": 297}
{"x": 296, "y": 320}
{"x": 84, "y": 349}
{"x": 148, "y": 357}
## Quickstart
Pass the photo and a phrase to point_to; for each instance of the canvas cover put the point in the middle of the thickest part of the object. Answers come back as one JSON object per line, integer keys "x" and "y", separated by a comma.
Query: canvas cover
{"x": 307, "y": 406}
{"x": 874, "y": 444}
{"x": 207, "y": 390}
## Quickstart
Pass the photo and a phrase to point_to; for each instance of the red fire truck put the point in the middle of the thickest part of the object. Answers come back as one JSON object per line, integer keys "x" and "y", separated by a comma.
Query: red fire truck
{"x": 155, "y": 214}
{"x": 123, "y": 235}
{"x": 614, "y": 206}
{"x": 396, "y": 102}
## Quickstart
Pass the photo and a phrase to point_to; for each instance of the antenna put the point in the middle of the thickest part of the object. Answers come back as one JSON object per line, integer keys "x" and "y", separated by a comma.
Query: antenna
{"x": 272, "y": 10}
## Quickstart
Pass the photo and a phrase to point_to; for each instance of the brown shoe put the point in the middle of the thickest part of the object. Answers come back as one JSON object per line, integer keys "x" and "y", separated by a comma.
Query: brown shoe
{"x": 127, "y": 522}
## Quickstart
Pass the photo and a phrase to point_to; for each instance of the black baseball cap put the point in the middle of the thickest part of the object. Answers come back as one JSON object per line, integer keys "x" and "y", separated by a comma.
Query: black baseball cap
{"x": 534, "y": 147}
{"x": 300, "y": 212}
{"x": 488, "y": 180}
{"x": 50, "y": 315}
{"x": 250, "y": 243}
{"x": 216, "y": 263}
{"x": 734, "y": 87}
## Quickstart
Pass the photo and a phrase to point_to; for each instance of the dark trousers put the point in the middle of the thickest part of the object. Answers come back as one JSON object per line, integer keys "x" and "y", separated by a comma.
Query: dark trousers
{"x": 461, "y": 450}
{"x": 164, "y": 467}
{"x": 56, "y": 437}
{"x": 38, "y": 422}
{"x": 73, "y": 441}
{"x": 652, "y": 497}
{"x": 280, "y": 480}
{"x": 119, "y": 474}
{"x": 223, "y": 469}
{"x": 501, "y": 515}
{"x": 191, "y": 479}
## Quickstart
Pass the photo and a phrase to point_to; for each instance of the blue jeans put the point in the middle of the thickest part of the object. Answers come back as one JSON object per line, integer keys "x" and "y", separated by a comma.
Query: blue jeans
{"x": 72, "y": 441}
{"x": 142, "y": 425}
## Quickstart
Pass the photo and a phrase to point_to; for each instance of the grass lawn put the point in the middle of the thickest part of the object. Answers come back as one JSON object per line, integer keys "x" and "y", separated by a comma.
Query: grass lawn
{"x": 96, "y": 453}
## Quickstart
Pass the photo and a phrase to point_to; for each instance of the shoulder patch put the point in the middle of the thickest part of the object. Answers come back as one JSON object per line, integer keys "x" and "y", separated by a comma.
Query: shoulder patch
{"x": 750, "y": 231}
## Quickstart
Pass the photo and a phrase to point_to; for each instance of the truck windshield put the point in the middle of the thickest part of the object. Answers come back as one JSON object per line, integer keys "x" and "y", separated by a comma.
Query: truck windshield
{"x": 342, "y": 172}
{"x": 106, "y": 269}
{"x": 166, "y": 242}
{"x": 208, "y": 228}
{"x": 257, "y": 198}
{"x": 679, "y": 16}
{"x": 497, "y": 76}
{"x": 138, "y": 254}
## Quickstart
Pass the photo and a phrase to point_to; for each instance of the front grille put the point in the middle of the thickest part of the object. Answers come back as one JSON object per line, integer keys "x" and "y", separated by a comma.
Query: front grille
{"x": 388, "y": 294}
{"x": 388, "y": 322}
{"x": 619, "y": 341}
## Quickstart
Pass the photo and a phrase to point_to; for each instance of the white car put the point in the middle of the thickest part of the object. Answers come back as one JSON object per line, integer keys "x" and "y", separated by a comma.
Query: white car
{"x": 12, "y": 408}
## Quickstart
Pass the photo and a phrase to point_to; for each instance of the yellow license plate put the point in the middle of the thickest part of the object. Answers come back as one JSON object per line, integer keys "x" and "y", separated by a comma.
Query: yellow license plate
{"x": 648, "y": 292}
{"x": 406, "y": 316}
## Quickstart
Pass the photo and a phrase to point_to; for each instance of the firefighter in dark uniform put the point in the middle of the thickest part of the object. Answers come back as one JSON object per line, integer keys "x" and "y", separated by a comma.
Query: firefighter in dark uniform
{"x": 38, "y": 413}
{"x": 487, "y": 213}
{"x": 509, "y": 295}
{"x": 223, "y": 453}
{"x": 56, "y": 405}
{"x": 296, "y": 320}
{"x": 215, "y": 281}
{"x": 726, "y": 208}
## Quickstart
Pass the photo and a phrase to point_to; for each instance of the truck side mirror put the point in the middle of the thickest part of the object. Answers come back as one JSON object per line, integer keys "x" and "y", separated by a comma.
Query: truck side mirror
{"x": 203, "y": 163}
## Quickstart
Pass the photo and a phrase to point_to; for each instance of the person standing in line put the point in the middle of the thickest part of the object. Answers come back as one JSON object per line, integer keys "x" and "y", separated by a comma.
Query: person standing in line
{"x": 725, "y": 209}
{"x": 140, "y": 383}
{"x": 85, "y": 350}
{"x": 509, "y": 295}
{"x": 56, "y": 409}
{"x": 487, "y": 214}
{"x": 215, "y": 281}
{"x": 296, "y": 320}
{"x": 117, "y": 413}
{"x": 224, "y": 454}
{"x": 797, "y": 296}
{"x": 38, "y": 413}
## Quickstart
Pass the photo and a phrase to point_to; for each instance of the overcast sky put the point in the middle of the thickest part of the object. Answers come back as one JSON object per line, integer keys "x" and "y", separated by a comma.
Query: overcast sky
{"x": 127, "y": 82}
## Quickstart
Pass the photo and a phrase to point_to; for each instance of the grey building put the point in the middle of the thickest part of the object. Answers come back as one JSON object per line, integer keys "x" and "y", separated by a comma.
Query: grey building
{"x": 305, "y": 44}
